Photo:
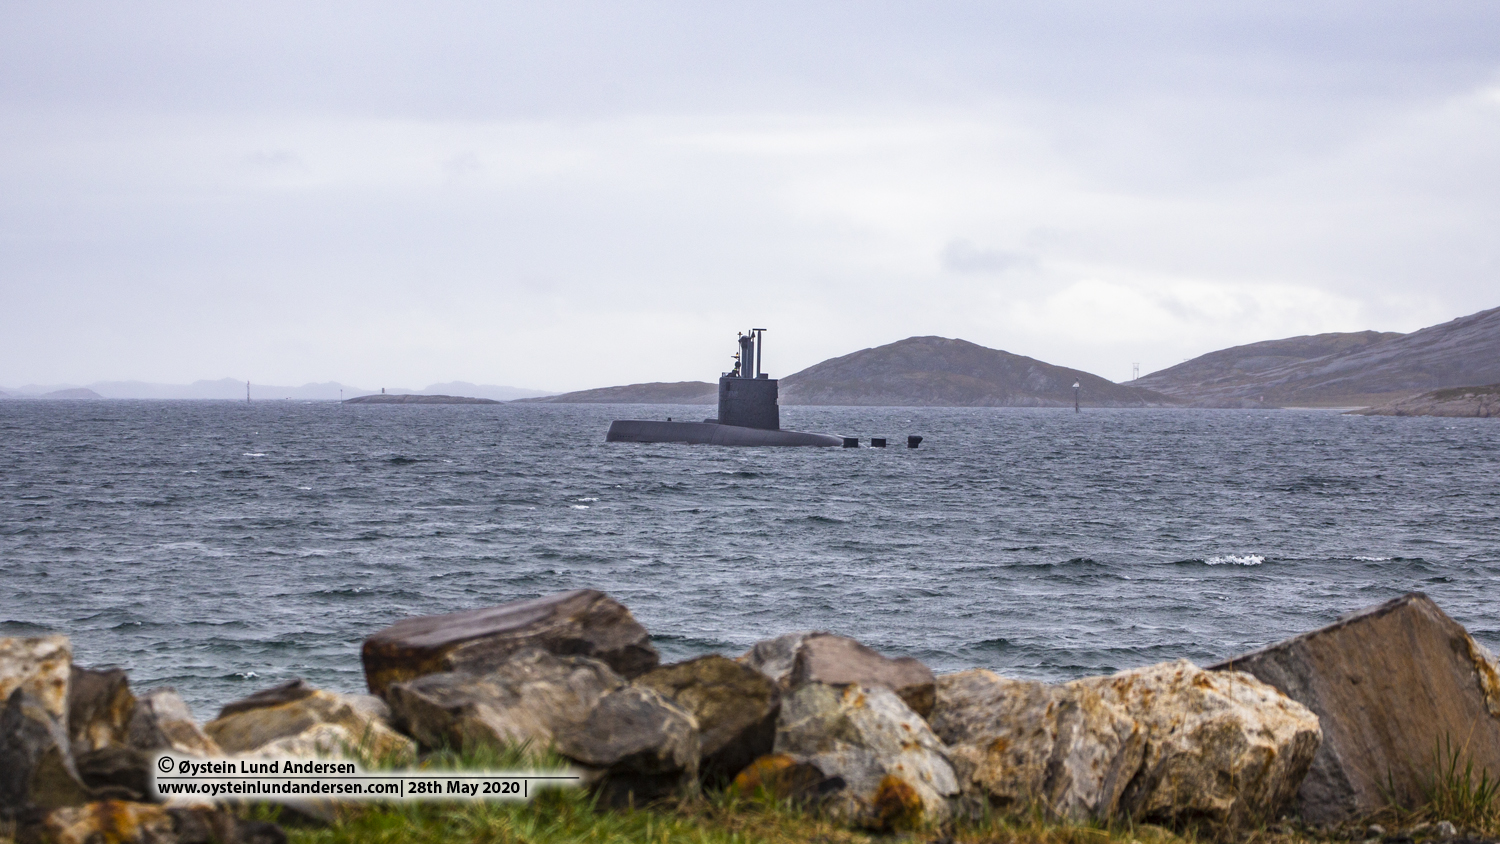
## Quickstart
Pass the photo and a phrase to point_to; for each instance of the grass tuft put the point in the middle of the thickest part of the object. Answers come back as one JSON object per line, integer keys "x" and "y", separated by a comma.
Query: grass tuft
{"x": 1454, "y": 791}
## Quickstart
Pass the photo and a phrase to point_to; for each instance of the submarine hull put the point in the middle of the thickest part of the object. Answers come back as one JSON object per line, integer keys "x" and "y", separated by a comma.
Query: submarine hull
{"x": 709, "y": 433}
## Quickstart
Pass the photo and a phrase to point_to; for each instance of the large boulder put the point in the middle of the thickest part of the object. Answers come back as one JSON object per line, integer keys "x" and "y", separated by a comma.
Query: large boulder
{"x": 583, "y": 622}
{"x": 529, "y": 700}
{"x": 1391, "y": 685}
{"x": 796, "y": 659}
{"x": 42, "y": 665}
{"x": 162, "y": 721}
{"x": 1220, "y": 746}
{"x": 138, "y": 823}
{"x": 893, "y": 771}
{"x": 36, "y": 768}
{"x": 638, "y": 747}
{"x": 1017, "y": 743}
{"x": 1166, "y": 742}
{"x": 297, "y": 719}
{"x": 735, "y": 707}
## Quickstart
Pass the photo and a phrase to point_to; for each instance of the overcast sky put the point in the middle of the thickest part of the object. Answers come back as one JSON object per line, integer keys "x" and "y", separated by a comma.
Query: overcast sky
{"x": 566, "y": 195}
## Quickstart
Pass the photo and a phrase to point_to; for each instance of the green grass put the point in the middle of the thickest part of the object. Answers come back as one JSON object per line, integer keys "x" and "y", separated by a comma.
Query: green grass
{"x": 570, "y": 815}
{"x": 1454, "y": 790}
{"x": 719, "y": 817}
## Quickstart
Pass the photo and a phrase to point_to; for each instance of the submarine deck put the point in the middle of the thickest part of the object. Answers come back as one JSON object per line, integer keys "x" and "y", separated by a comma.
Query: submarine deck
{"x": 709, "y": 433}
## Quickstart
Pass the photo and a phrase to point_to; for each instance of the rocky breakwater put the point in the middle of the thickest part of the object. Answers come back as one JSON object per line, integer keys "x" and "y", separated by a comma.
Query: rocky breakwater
{"x": 876, "y": 741}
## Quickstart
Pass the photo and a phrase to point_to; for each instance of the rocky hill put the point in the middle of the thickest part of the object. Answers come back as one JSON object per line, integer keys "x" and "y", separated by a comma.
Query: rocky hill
{"x": 939, "y": 372}
{"x": 1333, "y": 370}
{"x": 1457, "y": 401}
{"x": 656, "y": 392}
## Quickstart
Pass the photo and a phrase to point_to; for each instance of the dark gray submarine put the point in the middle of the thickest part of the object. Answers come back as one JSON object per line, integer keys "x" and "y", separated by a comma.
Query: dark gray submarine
{"x": 748, "y": 412}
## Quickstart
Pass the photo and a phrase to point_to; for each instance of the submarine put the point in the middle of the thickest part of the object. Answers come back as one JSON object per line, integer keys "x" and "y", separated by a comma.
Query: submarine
{"x": 748, "y": 412}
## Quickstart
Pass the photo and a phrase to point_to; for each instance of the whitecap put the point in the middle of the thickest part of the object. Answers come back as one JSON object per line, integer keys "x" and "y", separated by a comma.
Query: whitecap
{"x": 1374, "y": 559}
{"x": 580, "y": 506}
{"x": 1235, "y": 560}
{"x": 254, "y": 454}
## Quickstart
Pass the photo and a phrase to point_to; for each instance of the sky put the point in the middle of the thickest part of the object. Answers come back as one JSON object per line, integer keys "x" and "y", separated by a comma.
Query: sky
{"x": 568, "y": 195}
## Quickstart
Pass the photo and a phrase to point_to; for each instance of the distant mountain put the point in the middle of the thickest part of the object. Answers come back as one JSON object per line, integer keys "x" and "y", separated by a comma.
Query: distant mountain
{"x": 656, "y": 392}
{"x": 74, "y": 393}
{"x": 939, "y": 372}
{"x": 1333, "y": 370}
{"x": 232, "y": 389}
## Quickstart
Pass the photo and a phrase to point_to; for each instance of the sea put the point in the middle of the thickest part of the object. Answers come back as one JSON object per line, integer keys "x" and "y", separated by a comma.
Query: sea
{"x": 222, "y": 547}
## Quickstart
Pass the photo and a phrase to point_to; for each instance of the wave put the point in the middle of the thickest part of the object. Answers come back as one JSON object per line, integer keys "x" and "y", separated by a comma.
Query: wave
{"x": 1235, "y": 560}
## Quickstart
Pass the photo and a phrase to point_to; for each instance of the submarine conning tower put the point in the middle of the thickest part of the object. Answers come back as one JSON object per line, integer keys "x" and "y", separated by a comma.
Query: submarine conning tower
{"x": 747, "y": 396}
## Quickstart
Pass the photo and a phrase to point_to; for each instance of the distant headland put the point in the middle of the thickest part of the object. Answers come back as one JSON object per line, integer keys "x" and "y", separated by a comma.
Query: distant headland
{"x": 382, "y": 398}
{"x": 1457, "y": 401}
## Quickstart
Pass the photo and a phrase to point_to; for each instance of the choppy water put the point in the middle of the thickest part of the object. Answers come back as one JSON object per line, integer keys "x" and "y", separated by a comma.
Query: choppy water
{"x": 221, "y": 547}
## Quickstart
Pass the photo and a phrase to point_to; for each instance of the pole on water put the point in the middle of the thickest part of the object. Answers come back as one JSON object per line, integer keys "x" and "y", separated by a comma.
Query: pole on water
{"x": 1075, "y": 396}
{"x": 247, "y": 392}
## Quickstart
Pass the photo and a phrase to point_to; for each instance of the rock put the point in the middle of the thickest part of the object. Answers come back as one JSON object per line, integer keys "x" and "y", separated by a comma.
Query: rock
{"x": 138, "y": 823}
{"x": 162, "y": 721}
{"x": 775, "y": 657}
{"x": 295, "y": 717}
{"x": 320, "y": 741}
{"x": 584, "y": 622}
{"x": 116, "y": 772}
{"x": 1446, "y": 829}
{"x": 796, "y": 659}
{"x": 100, "y": 707}
{"x": 36, "y": 769}
{"x": 1166, "y": 742}
{"x": 644, "y": 747}
{"x": 1389, "y": 684}
{"x": 735, "y": 707}
{"x": 42, "y": 665}
{"x": 1016, "y": 743}
{"x": 1220, "y": 745}
{"x": 894, "y": 771}
{"x": 528, "y": 700}
{"x": 784, "y": 777}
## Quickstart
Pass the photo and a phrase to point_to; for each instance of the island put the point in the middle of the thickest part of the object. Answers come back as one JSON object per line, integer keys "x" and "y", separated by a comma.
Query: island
{"x": 382, "y": 398}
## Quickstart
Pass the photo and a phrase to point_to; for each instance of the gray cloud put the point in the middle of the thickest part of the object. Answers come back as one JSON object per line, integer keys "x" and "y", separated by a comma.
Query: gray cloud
{"x": 372, "y": 194}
